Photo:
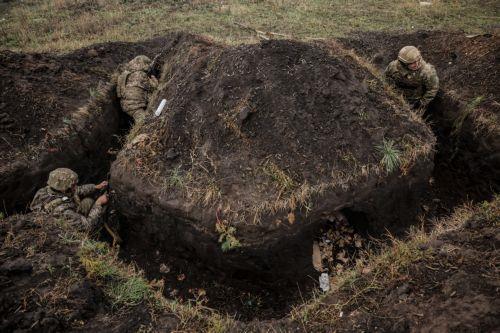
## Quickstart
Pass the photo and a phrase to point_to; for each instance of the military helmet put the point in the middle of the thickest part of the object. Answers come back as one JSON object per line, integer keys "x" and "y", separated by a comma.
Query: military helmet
{"x": 62, "y": 179}
{"x": 139, "y": 63}
{"x": 409, "y": 54}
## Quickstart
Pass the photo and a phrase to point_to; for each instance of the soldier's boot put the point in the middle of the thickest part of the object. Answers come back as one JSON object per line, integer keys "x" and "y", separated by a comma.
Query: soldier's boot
{"x": 85, "y": 206}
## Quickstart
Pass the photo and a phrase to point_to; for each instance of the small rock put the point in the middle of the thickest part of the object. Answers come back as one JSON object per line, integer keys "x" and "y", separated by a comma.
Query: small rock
{"x": 324, "y": 282}
{"x": 92, "y": 53}
{"x": 164, "y": 269}
{"x": 244, "y": 113}
{"x": 403, "y": 289}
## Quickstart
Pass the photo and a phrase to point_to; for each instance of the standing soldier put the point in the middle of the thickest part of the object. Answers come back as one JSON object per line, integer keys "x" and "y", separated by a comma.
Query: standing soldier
{"x": 413, "y": 77}
{"x": 62, "y": 197}
{"x": 134, "y": 87}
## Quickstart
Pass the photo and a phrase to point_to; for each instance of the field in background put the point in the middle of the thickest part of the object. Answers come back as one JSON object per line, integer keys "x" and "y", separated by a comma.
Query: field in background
{"x": 64, "y": 25}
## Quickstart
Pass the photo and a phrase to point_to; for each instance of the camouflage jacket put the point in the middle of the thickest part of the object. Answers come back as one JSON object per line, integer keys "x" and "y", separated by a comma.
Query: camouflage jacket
{"x": 59, "y": 204}
{"x": 133, "y": 89}
{"x": 421, "y": 85}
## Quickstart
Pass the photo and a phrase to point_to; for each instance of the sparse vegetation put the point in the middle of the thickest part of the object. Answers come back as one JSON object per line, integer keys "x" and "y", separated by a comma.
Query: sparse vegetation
{"x": 391, "y": 156}
{"x": 227, "y": 236}
{"x": 175, "y": 179}
{"x": 65, "y": 25}
{"x": 283, "y": 181}
{"x": 466, "y": 112}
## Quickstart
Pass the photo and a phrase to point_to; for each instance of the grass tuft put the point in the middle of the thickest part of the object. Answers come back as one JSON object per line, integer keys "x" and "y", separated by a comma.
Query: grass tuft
{"x": 391, "y": 156}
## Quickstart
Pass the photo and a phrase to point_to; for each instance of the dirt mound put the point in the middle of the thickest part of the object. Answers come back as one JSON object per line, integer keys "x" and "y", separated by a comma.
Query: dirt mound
{"x": 40, "y": 97}
{"x": 257, "y": 142}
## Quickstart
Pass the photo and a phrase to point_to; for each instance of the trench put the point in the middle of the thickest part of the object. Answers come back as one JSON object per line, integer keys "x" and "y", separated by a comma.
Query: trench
{"x": 459, "y": 176}
{"x": 248, "y": 295}
{"x": 89, "y": 151}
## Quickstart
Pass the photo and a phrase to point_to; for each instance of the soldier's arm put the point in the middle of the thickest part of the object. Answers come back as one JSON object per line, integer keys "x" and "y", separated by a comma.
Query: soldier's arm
{"x": 431, "y": 83}
{"x": 388, "y": 74}
{"x": 86, "y": 190}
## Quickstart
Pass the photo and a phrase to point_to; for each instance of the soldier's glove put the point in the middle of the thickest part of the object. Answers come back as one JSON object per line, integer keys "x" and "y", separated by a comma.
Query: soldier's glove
{"x": 6, "y": 122}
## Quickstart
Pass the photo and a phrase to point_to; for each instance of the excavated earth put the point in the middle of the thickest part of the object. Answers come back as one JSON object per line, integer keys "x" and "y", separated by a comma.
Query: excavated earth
{"x": 260, "y": 143}
{"x": 466, "y": 113}
{"x": 46, "y": 99}
{"x": 44, "y": 287}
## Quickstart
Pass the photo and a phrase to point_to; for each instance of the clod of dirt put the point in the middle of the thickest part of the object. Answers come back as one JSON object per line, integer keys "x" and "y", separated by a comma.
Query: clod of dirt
{"x": 249, "y": 187}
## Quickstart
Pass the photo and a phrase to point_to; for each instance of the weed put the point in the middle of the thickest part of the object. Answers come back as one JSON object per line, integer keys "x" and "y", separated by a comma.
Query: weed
{"x": 175, "y": 179}
{"x": 226, "y": 235}
{"x": 466, "y": 112}
{"x": 130, "y": 291}
{"x": 391, "y": 156}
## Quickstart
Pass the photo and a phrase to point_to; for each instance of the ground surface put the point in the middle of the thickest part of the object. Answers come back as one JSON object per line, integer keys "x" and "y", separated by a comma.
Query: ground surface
{"x": 449, "y": 283}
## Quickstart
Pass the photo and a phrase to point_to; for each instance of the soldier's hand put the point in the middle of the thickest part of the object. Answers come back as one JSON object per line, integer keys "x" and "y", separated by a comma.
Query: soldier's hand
{"x": 103, "y": 185}
{"x": 102, "y": 200}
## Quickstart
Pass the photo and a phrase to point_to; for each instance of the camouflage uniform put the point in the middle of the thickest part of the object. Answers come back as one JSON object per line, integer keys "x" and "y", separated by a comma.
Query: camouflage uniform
{"x": 63, "y": 204}
{"x": 418, "y": 87}
{"x": 134, "y": 86}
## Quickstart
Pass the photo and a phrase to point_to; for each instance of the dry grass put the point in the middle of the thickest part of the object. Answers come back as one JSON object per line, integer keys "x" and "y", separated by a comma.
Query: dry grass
{"x": 63, "y": 25}
{"x": 383, "y": 268}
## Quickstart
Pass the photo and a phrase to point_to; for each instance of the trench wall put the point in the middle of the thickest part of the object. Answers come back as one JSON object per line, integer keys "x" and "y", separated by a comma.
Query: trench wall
{"x": 84, "y": 149}
{"x": 389, "y": 204}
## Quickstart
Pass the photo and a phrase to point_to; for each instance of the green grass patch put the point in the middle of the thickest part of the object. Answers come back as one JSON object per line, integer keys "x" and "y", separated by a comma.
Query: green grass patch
{"x": 391, "y": 155}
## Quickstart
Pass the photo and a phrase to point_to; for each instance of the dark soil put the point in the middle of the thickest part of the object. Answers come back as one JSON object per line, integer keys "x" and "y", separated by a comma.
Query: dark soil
{"x": 40, "y": 91}
{"x": 44, "y": 288}
{"x": 190, "y": 280}
{"x": 39, "y": 97}
{"x": 236, "y": 114}
{"x": 454, "y": 289}
{"x": 467, "y": 163}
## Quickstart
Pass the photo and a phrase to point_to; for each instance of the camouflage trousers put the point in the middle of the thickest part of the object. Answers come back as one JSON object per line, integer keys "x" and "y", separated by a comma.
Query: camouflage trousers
{"x": 85, "y": 206}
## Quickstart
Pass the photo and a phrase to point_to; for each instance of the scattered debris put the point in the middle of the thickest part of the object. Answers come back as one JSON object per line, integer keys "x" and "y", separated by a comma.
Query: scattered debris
{"x": 339, "y": 246}
{"x": 324, "y": 282}
{"x": 160, "y": 107}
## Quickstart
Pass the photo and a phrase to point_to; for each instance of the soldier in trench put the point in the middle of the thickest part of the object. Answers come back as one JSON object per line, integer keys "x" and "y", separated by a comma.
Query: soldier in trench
{"x": 414, "y": 78}
{"x": 63, "y": 197}
{"x": 134, "y": 86}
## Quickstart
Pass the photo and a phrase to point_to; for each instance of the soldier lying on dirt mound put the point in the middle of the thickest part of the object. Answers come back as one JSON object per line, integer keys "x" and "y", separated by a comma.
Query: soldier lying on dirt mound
{"x": 413, "y": 77}
{"x": 134, "y": 86}
{"x": 62, "y": 197}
